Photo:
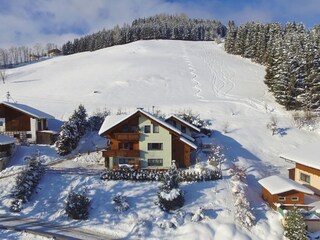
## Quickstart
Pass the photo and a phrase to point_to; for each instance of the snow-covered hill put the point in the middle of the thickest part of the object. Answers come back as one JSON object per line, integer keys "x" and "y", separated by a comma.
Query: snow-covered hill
{"x": 172, "y": 76}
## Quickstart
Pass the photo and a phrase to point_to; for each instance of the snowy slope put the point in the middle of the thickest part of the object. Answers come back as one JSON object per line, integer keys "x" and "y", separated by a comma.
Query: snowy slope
{"x": 173, "y": 76}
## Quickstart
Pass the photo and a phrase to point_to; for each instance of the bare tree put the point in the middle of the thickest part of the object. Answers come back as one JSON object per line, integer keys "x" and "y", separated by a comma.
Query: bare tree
{"x": 3, "y": 75}
{"x": 273, "y": 125}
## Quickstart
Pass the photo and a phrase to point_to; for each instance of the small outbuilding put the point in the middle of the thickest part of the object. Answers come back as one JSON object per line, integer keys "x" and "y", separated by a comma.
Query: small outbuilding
{"x": 6, "y": 149}
{"x": 277, "y": 190}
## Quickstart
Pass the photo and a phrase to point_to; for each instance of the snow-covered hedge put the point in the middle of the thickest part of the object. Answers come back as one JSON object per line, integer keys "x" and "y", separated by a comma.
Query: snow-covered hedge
{"x": 157, "y": 175}
{"x": 77, "y": 206}
{"x": 25, "y": 184}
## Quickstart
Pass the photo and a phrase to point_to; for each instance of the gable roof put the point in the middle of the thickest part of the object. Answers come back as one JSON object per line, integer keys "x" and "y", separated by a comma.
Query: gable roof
{"x": 308, "y": 155}
{"x": 184, "y": 122}
{"x": 28, "y": 110}
{"x": 113, "y": 120}
{"x": 278, "y": 184}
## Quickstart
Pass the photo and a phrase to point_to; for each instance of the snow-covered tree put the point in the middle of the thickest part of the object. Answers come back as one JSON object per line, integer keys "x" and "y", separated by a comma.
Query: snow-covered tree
{"x": 77, "y": 206}
{"x": 170, "y": 196}
{"x": 296, "y": 225}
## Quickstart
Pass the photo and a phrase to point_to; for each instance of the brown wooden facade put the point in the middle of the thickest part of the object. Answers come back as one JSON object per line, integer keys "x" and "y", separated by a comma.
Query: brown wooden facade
{"x": 181, "y": 153}
{"x": 308, "y": 169}
{"x": 275, "y": 198}
{"x": 18, "y": 125}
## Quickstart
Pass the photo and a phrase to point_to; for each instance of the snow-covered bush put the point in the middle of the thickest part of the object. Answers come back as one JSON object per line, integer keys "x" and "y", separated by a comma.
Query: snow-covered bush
{"x": 296, "y": 225}
{"x": 71, "y": 131}
{"x": 120, "y": 202}
{"x": 25, "y": 184}
{"x": 170, "y": 197}
{"x": 194, "y": 119}
{"x": 77, "y": 206}
{"x": 198, "y": 216}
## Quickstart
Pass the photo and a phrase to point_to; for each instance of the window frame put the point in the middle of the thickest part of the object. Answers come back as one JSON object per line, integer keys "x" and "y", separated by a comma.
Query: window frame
{"x": 305, "y": 178}
{"x": 147, "y": 127}
{"x": 295, "y": 199}
{"x": 156, "y": 128}
{"x": 282, "y": 199}
{"x": 155, "y": 146}
{"x": 155, "y": 162}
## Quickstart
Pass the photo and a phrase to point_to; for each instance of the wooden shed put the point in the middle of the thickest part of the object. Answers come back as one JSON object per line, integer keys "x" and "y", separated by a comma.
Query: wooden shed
{"x": 277, "y": 190}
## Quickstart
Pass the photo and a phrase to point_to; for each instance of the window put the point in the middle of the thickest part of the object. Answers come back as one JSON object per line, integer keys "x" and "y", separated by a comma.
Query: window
{"x": 155, "y": 162}
{"x": 295, "y": 199}
{"x": 17, "y": 135}
{"x": 305, "y": 177}
{"x": 29, "y": 135}
{"x": 174, "y": 123}
{"x": 147, "y": 129}
{"x": 125, "y": 146}
{"x": 134, "y": 128}
{"x": 125, "y": 129}
{"x": 281, "y": 199}
{"x": 183, "y": 129}
{"x": 124, "y": 160}
{"x": 155, "y": 146}
{"x": 1, "y": 123}
{"x": 155, "y": 128}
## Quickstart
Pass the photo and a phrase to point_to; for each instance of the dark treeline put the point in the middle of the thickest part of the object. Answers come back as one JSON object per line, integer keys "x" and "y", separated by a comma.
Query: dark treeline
{"x": 291, "y": 54}
{"x": 178, "y": 27}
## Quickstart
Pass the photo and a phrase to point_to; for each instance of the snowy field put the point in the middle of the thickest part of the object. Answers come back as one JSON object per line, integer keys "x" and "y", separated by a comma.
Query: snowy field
{"x": 172, "y": 76}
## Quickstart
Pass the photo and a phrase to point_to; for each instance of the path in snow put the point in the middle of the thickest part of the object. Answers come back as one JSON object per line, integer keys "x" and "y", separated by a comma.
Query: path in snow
{"x": 48, "y": 229}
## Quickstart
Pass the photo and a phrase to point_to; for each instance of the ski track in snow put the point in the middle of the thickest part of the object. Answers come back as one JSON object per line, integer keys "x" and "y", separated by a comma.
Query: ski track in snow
{"x": 193, "y": 73}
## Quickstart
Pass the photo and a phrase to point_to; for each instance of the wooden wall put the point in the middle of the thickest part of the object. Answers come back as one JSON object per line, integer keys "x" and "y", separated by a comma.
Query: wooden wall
{"x": 15, "y": 120}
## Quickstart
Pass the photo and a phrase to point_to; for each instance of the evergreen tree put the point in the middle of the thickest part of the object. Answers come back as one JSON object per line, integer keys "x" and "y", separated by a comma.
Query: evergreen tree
{"x": 230, "y": 39}
{"x": 296, "y": 226}
{"x": 77, "y": 206}
{"x": 170, "y": 197}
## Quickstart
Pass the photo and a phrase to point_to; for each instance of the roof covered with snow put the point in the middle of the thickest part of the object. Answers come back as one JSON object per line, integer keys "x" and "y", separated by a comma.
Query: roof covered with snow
{"x": 4, "y": 140}
{"x": 184, "y": 122}
{"x": 278, "y": 184}
{"x": 113, "y": 120}
{"x": 308, "y": 155}
{"x": 28, "y": 110}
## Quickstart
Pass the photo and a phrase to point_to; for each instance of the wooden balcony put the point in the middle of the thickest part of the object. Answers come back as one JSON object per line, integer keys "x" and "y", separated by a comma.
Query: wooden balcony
{"x": 121, "y": 153}
{"x": 127, "y": 136}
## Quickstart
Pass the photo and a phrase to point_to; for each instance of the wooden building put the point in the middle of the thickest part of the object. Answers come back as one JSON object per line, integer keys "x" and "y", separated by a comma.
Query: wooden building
{"x": 306, "y": 170}
{"x": 25, "y": 123}
{"x": 6, "y": 149}
{"x": 142, "y": 140}
{"x": 184, "y": 126}
{"x": 279, "y": 191}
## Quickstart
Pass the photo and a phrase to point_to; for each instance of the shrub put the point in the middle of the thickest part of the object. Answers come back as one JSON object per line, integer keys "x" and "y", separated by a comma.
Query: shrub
{"x": 120, "y": 202}
{"x": 77, "y": 206}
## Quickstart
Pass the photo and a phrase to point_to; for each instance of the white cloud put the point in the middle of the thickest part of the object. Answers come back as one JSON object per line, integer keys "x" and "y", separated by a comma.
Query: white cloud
{"x": 31, "y": 21}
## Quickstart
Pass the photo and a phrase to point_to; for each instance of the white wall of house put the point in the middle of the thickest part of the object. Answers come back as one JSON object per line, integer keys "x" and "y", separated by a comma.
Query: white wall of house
{"x": 314, "y": 180}
{"x": 163, "y": 137}
{"x": 34, "y": 129}
{"x": 3, "y": 124}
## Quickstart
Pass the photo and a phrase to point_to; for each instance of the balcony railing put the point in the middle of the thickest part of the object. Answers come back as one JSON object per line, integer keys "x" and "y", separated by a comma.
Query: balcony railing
{"x": 121, "y": 153}
{"x": 127, "y": 136}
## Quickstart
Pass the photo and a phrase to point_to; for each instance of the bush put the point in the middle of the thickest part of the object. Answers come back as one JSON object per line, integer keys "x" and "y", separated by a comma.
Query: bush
{"x": 25, "y": 184}
{"x": 77, "y": 206}
{"x": 120, "y": 202}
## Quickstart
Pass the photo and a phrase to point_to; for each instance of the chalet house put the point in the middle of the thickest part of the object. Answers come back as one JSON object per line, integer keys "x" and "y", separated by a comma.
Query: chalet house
{"x": 307, "y": 166}
{"x": 54, "y": 52}
{"x": 279, "y": 191}
{"x": 182, "y": 125}
{"x": 6, "y": 148}
{"x": 25, "y": 123}
{"x": 144, "y": 141}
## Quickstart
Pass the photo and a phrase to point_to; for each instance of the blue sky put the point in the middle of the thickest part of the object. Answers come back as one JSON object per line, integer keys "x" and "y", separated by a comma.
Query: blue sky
{"x": 27, "y": 22}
